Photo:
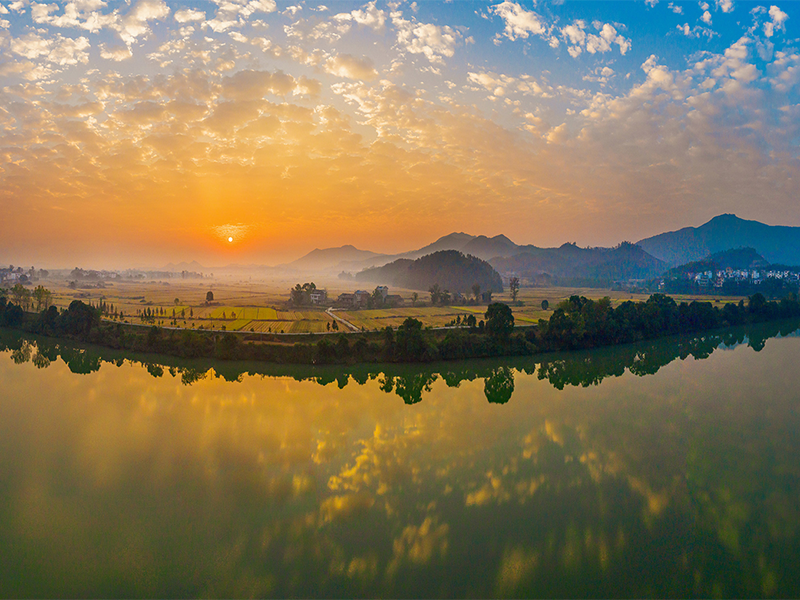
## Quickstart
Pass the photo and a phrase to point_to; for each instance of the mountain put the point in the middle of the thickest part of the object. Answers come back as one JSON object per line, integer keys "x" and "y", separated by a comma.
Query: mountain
{"x": 451, "y": 269}
{"x": 571, "y": 265}
{"x": 453, "y": 241}
{"x": 777, "y": 244}
{"x": 331, "y": 258}
{"x": 739, "y": 258}
{"x": 488, "y": 248}
{"x": 185, "y": 266}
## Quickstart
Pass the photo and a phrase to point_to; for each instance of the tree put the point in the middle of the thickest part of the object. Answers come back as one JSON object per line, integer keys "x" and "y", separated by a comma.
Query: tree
{"x": 476, "y": 289}
{"x": 414, "y": 298}
{"x": 410, "y": 344}
{"x": 513, "y": 287}
{"x": 177, "y": 301}
{"x": 436, "y": 293}
{"x": 210, "y": 297}
{"x": 499, "y": 320}
{"x": 545, "y": 305}
{"x": 21, "y": 295}
{"x": 79, "y": 318}
{"x": 43, "y": 298}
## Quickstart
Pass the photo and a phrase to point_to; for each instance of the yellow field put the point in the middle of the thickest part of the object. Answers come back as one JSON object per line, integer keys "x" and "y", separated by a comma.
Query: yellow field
{"x": 263, "y": 306}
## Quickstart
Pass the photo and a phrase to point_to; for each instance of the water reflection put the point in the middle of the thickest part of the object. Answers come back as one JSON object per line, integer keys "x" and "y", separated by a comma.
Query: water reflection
{"x": 412, "y": 382}
{"x": 179, "y": 480}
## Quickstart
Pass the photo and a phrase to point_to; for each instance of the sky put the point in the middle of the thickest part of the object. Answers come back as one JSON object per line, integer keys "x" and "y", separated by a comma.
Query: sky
{"x": 253, "y": 131}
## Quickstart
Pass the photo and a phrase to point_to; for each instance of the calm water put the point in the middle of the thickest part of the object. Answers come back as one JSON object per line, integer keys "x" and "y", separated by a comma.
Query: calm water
{"x": 667, "y": 469}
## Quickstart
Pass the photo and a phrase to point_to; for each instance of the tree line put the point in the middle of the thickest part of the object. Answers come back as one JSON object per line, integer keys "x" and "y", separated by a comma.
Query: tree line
{"x": 576, "y": 323}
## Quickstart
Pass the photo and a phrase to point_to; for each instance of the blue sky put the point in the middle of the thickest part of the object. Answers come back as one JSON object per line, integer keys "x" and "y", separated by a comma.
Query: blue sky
{"x": 388, "y": 124}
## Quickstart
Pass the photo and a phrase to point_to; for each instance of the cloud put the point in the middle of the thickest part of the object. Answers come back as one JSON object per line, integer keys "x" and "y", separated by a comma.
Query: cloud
{"x": 519, "y": 23}
{"x": 135, "y": 23}
{"x": 232, "y": 13}
{"x": 368, "y": 16}
{"x": 251, "y": 85}
{"x": 189, "y": 14}
{"x": 58, "y": 50}
{"x": 578, "y": 40}
{"x": 725, "y": 6}
{"x": 115, "y": 53}
{"x": 678, "y": 10}
{"x": 706, "y": 18}
{"x": 778, "y": 21}
{"x": 433, "y": 41}
{"x": 346, "y": 65}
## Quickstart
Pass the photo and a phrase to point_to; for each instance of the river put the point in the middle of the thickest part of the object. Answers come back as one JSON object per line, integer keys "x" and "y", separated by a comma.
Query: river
{"x": 665, "y": 469}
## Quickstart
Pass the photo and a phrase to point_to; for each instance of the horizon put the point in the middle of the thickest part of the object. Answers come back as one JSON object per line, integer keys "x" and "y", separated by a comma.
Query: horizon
{"x": 250, "y": 132}
{"x": 175, "y": 263}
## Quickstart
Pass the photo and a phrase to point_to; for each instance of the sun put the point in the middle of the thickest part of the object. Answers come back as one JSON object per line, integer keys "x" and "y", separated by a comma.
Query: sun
{"x": 230, "y": 239}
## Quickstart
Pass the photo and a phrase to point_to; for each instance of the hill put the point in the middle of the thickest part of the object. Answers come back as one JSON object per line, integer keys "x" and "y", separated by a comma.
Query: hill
{"x": 739, "y": 258}
{"x": 777, "y": 244}
{"x": 451, "y": 269}
{"x": 488, "y": 248}
{"x": 330, "y": 258}
{"x": 571, "y": 265}
{"x": 453, "y": 241}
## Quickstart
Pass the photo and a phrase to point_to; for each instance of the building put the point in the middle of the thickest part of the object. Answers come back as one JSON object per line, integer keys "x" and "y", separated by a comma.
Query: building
{"x": 393, "y": 300}
{"x": 318, "y": 296}
{"x": 361, "y": 297}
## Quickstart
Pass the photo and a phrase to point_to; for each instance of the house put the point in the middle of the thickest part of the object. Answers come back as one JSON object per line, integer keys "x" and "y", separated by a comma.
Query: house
{"x": 346, "y": 299}
{"x": 360, "y": 297}
{"x": 393, "y": 300}
{"x": 318, "y": 296}
{"x": 383, "y": 291}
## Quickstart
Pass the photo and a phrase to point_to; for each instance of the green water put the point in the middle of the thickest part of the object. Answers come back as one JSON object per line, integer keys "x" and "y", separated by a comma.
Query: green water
{"x": 664, "y": 469}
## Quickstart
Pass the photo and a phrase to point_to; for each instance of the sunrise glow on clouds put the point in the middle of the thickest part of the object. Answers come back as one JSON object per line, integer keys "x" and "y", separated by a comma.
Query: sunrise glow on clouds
{"x": 155, "y": 129}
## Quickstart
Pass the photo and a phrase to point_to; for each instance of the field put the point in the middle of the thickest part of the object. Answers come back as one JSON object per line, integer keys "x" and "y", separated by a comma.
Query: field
{"x": 264, "y": 306}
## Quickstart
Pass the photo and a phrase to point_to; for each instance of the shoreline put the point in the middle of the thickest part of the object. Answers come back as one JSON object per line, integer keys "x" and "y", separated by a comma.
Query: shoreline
{"x": 576, "y": 324}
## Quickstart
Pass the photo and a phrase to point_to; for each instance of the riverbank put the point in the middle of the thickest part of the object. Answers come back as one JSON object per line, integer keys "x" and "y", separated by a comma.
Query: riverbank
{"x": 577, "y": 323}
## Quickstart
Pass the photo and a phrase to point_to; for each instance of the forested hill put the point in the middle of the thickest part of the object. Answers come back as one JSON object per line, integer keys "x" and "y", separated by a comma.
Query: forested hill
{"x": 739, "y": 258}
{"x": 452, "y": 270}
{"x": 571, "y": 265}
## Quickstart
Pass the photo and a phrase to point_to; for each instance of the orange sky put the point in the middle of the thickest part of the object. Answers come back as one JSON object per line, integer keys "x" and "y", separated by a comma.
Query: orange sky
{"x": 150, "y": 133}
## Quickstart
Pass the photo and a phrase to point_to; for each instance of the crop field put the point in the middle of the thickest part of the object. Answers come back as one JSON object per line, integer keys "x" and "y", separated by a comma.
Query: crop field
{"x": 263, "y": 306}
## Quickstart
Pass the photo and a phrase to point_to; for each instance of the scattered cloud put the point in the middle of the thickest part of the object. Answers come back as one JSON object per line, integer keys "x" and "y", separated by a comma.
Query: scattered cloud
{"x": 346, "y": 65}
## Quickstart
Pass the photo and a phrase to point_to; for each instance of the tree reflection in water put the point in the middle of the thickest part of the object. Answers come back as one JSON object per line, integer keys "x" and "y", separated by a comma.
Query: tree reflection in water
{"x": 412, "y": 381}
{"x": 634, "y": 493}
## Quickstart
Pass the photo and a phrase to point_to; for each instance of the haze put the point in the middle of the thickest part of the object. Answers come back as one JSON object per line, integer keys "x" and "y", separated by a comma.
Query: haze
{"x": 148, "y": 132}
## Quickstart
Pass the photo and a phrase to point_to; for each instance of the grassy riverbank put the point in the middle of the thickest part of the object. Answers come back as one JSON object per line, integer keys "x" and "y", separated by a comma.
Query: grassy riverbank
{"x": 576, "y": 323}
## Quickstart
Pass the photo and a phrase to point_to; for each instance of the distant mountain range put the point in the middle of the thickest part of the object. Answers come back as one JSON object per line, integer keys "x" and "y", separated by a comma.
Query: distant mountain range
{"x": 571, "y": 265}
{"x": 329, "y": 258}
{"x": 777, "y": 244}
{"x": 568, "y": 263}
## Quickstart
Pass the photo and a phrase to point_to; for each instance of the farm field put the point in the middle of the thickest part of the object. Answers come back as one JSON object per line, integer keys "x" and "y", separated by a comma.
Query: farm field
{"x": 263, "y": 306}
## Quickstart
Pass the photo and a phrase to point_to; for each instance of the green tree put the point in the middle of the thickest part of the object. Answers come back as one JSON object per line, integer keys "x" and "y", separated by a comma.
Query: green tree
{"x": 513, "y": 287}
{"x": 414, "y": 298}
{"x": 436, "y": 294}
{"x": 499, "y": 321}
{"x": 545, "y": 305}
{"x": 43, "y": 298}
{"x": 210, "y": 296}
{"x": 476, "y": 289}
